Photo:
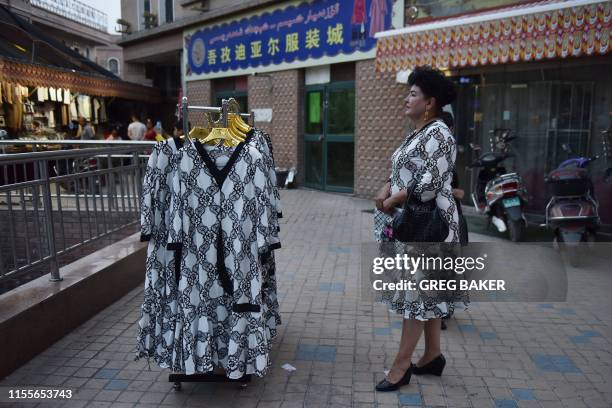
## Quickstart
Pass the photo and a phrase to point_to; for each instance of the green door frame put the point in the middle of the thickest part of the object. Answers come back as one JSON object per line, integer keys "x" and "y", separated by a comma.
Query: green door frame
{"x": 326, "y": 137}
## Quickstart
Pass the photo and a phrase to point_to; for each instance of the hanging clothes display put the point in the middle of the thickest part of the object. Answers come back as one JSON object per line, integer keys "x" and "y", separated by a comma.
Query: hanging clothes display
{"x": 157, "y": 323}
{"x": 74, "y": 115}
{"x": 8, "y": 92}
{"x": 64, "y": 110}
{"x": 84, "y": 106}
{"x": 103, "y": 117}
{"x": 210, "y": 214}
{"x": 96, "y": 108}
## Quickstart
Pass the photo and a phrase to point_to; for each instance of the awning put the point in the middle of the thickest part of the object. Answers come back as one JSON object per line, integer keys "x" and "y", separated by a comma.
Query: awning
{"x": 529, "y": 32}
{"x": 39, "y": 75}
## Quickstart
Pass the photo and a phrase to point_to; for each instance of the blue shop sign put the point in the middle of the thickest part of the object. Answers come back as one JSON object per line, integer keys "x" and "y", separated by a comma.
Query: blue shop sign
{"x": 296, "y": 33}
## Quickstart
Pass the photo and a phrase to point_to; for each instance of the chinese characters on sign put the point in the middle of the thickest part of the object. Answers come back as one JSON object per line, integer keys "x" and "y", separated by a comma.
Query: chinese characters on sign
{"x": 296, "y": 33}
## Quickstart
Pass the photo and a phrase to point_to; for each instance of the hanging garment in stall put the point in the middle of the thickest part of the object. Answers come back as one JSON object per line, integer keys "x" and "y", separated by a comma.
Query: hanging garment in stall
{"x": 52, "y": 94}
{"x": 15, "y": 111}
{"x": 8, "y": 94}
{"x": 103, "y": 117}
{"x": 67, "y": 98}
{"x": 49, "y": 112}
{"x": 40, "y": 95}
{"x": 74, "y": 115}
{"x": 84, "y": 106}
{"x": 64, "y": 109}
{"x": 96, "y": 108}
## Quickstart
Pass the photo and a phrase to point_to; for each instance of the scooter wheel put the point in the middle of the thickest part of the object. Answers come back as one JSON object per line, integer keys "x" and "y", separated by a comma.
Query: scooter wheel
{"x": 517, "y": 230}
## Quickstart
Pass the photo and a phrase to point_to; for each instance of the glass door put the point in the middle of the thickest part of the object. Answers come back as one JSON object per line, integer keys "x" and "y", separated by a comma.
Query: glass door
{"x": 329, "y": 148}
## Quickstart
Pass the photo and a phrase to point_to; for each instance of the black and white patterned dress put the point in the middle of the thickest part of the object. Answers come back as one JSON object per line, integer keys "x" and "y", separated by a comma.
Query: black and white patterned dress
{"x": 220, "y": 220}
{"x": 430, "y": 153}
{"x": 159, "y": 309}
{"x": 263, "y": 143}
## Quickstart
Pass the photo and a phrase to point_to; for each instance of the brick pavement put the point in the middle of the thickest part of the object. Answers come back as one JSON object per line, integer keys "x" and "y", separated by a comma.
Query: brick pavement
{"x": 499, "y": 354}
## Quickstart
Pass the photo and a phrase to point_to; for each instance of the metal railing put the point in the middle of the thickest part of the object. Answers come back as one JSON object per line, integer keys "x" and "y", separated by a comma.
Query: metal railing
{"x": 55, "y": 202}
{"x": 76, "y": 11}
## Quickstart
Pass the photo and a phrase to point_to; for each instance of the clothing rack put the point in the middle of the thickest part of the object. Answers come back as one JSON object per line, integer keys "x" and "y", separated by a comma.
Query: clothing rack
{"x": 226, "y": 104}
{"x": 178, "y": 378}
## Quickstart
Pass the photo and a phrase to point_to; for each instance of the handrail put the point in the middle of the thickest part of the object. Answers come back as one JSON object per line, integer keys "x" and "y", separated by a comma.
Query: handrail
{"x": 22, "y": 142}
{"x": 61, "y": 154}
{"x": 53, "y": 203}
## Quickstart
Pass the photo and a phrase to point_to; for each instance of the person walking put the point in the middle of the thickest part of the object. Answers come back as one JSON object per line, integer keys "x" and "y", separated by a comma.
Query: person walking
{"x": 136, "y": 129}
{"x": 425, "y": 160}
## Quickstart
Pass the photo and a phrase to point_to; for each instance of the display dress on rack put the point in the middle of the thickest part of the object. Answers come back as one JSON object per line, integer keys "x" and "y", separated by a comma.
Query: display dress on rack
{"x": 220, "y": 220}
{"x": 159, "y": 309}
{"x": 210, "y": 214}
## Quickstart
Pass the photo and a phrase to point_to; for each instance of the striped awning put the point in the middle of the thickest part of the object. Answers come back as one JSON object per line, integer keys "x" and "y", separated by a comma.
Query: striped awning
{"x": 529, "y": 32}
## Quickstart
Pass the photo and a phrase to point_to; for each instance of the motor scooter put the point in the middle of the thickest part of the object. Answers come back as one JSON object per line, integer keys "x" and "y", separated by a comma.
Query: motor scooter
{"x": 499, "y": 194}
{"x": 572, "y": 212}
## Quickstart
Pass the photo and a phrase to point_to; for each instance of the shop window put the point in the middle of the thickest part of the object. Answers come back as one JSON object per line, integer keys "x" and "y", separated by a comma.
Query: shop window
{"x": 113, "y": 65}
{"x": 169, "y": 5}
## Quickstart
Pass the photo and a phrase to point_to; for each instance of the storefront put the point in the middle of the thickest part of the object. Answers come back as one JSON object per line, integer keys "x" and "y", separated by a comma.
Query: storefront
{"x": 296, "y": 67}
{"x": 539, "y": 69}
{"x": 45, "y": 86}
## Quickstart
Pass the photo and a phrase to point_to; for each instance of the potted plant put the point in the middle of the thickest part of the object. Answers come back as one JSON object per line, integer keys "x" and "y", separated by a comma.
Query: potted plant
{"x": 123, "y": 26}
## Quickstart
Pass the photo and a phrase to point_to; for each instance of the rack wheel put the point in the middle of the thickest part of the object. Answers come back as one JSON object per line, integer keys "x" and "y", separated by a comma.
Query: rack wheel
{"x": 177, "y": 386}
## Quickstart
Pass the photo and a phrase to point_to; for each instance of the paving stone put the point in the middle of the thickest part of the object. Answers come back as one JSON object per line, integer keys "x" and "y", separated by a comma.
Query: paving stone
{"x": 498, "y": 354}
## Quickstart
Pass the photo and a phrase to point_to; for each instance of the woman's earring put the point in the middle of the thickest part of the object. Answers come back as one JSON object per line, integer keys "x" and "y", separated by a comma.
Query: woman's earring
{"x": 426, "y": 114}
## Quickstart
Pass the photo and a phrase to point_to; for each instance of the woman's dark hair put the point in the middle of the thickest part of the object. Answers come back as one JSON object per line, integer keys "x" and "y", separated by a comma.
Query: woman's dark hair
{"x": 433, "y": 83}
{"x": 447, "y": 118}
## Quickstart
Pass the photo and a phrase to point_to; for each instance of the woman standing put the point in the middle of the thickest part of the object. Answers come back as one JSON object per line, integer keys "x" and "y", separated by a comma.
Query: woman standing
{"x": 426, "y": 157}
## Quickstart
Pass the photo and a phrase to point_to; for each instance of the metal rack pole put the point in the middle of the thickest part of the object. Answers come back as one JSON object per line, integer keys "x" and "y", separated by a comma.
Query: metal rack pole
{"x": 184, "y": 110}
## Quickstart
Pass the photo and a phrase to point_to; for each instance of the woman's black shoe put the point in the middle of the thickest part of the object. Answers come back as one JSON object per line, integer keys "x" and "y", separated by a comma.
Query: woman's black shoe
{"x": 434, "y": 367}
{"x": 443, "y": 325}
{"x": 385, "y": 386}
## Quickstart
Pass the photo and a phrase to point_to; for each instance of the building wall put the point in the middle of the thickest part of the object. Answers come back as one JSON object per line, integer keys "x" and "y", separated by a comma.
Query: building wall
{"x": 282, "y": 91}
{"x": 103, "y": 54}
{"x": 199, "y": 93}
{"x": 380, "y": 126}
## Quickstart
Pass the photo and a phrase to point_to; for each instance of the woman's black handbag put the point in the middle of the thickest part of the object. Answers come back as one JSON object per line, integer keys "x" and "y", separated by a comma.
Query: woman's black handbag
{"x": 419, "y": 222}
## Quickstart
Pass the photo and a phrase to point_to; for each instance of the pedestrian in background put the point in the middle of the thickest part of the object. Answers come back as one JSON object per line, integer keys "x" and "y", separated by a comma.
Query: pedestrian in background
{"x": 86, "y": 131}
{"x": 137, "y": 129}
{"x": 150, "y": 133}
